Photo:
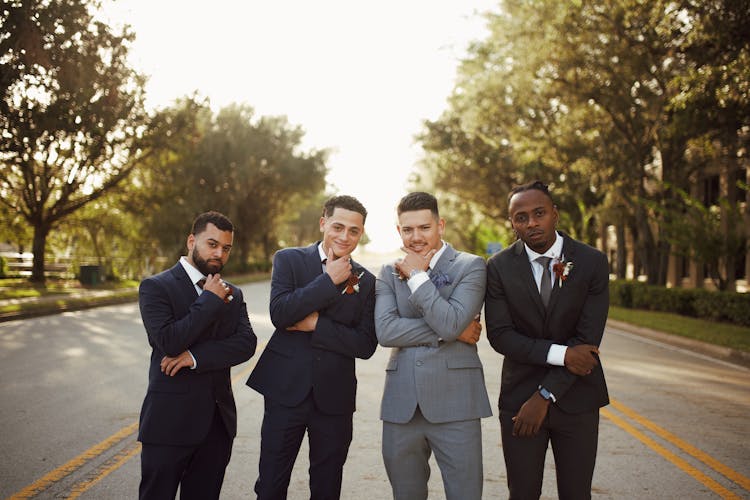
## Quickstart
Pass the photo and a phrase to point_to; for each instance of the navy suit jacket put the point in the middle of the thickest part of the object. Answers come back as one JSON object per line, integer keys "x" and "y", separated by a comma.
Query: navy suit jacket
{"x": 519, "y": 327}
{"x": 295, "y": 363}
{"x": 178, "y": 410}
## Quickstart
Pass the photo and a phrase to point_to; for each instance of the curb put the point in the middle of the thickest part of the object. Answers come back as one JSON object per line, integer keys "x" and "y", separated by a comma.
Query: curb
{"x": 71, "y": 305}
{"x": 719, "y": 352}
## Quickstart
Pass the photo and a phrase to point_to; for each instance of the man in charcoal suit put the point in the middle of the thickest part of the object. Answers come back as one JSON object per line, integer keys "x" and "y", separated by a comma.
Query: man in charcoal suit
{"x": 546, "y": 307}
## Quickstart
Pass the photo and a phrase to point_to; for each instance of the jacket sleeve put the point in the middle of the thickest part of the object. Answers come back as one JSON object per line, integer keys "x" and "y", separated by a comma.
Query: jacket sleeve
{"x": 166, "y": 332}
{"x": 290, "y": 302}
{"x": 216, "y": 354}
{"x": 501, "y": 331}
{"x": 358, "y": 341}
{"x": 391, "y": 328}
{"x": 590, "y": 325}
{"x": 449, "y": 316}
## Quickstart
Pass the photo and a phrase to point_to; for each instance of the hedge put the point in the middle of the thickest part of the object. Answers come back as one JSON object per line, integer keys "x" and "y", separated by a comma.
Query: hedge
{"x": 730, "y": 307}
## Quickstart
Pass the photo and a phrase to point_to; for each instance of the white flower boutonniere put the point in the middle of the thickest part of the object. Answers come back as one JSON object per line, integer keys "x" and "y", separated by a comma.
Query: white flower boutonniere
{"x": 562, "y": 270}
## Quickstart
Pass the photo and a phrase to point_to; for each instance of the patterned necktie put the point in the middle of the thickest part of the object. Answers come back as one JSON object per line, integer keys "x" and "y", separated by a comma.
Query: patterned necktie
{"x": 545, "y": 289}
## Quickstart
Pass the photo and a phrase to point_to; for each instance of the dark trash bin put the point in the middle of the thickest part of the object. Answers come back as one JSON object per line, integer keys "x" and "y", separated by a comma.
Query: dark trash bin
{"x": 90, "y": 275}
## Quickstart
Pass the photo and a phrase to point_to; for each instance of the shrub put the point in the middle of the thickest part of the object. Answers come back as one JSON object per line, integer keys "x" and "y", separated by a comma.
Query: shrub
{"x": 729, "y": 307}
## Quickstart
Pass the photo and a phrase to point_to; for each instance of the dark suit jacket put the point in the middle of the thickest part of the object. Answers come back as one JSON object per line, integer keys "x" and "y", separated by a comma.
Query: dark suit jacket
{"x": 178, "y": 410}
{"x": 294, "y": 363}
{"x": 521, "y": 330}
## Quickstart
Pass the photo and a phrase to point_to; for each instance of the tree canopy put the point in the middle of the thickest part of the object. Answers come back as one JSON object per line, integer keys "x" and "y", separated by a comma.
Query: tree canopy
{"x": 72, "y": 121}
{"x": 610, "y": 102}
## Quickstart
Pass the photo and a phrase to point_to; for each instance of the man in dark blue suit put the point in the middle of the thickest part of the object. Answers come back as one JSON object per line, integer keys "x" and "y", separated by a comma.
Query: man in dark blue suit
{"x": 198, "y": 328}
{"x": 322, "y": 305}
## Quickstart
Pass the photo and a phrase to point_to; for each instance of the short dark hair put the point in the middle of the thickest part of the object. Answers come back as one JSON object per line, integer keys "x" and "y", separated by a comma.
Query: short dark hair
{"x": 418, "y": 200}
{"x": 346, "y": 202}
{"x": 538, "y": 185}
{"x": 219, "y": 220}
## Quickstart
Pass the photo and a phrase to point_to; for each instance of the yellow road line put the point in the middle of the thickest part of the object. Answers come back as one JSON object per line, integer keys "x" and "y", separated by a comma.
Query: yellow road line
{"x": 686, "y": 447}
{"x": 75, "y": 463}
{"x": 114, "y": 463}
{"x": 679, "y": 462}
{"x": 97, "y": 450}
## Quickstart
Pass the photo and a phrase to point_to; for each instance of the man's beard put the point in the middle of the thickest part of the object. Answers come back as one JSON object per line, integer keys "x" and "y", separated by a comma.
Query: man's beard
{"x": 206, "y": 267}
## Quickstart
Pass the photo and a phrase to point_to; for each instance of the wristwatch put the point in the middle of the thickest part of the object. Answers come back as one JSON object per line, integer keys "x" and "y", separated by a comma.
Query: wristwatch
{"x": 546, "y": 394}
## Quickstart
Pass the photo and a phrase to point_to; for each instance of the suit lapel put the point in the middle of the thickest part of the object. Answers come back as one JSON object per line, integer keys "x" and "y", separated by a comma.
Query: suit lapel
{"x": 184, "y": 285}
{"x": 313, "y": 263}
{"x": 445, "y": 261}
{"x": 568, "y": 254}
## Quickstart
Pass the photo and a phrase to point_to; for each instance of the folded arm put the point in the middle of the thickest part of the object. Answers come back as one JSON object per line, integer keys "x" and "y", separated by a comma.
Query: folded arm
{"x": 449, "y": 316}
{"x": 589, "y": 327}
{"x": 391, "y": 328}
{"x": 169, "y": 334}
{"x": 358, "y": 341}
{"x": 291, "y": 303}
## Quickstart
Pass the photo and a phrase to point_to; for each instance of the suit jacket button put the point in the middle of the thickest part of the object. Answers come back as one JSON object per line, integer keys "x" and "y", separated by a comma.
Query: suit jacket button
{"x": 419, "y": 363}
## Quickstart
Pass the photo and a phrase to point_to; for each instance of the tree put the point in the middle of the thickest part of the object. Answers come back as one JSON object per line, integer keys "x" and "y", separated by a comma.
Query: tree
{"x": 72, "y": 121}
{"x": 604, "y": 100}
{"x": 250, "y": 168}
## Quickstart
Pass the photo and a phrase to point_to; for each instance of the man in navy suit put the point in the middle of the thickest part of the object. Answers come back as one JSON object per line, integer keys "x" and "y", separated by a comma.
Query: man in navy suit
{"x": 189, "y": 419}
{"x": 546, "y": 307}
{"x": 322, "y": 305}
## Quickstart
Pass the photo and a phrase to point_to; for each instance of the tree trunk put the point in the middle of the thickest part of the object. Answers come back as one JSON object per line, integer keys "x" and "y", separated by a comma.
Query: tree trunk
{"x": 622, "y": 252}
{"x": 38, "y": 247}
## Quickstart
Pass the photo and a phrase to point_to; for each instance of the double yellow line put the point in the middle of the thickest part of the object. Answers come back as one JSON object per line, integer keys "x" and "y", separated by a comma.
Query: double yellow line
{"x": 131, "y": 449}
{"x": 111, "y": 465}
{"x": 679, "y": 443}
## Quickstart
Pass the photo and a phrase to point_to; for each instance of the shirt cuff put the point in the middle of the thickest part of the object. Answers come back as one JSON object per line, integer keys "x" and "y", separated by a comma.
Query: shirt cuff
{"x": 556, "y": 355}
{"x": 195, "y": 363}
{"x": 417, "y": 280}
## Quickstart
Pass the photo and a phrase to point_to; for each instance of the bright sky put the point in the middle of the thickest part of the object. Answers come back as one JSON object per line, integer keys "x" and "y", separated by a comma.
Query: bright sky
{"x": 359, "y": 77}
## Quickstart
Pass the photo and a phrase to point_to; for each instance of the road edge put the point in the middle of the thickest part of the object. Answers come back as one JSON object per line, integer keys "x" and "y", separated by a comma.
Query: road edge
{"x": 715, "y": 351}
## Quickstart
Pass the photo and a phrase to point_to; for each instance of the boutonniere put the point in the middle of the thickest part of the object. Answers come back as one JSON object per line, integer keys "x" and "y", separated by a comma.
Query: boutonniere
{"x": 562, "y": 270}
{"x": 352, "y": 284}
{"x": 440, "y": 279}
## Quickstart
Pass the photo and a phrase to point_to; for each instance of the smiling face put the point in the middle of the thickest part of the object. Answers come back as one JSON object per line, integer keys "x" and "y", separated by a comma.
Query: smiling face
{"x": 420, "y": 230}
{"x": 342, "y": 231}
{"x": 208, "y": 250}
{"x": 534, "y": 218}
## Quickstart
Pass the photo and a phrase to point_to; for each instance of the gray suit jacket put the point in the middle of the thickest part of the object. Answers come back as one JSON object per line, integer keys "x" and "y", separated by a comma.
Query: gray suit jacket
{"x": 428, "y": 367}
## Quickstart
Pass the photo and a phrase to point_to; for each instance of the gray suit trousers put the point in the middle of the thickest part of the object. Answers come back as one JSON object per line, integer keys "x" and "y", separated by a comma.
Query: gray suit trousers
{"x": 458, "y": 452}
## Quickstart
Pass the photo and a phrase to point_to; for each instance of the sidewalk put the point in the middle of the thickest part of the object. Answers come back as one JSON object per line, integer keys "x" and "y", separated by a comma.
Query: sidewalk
{"x": 62, "y": 302}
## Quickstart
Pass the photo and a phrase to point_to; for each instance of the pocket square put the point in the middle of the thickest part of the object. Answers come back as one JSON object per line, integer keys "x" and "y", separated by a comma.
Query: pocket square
{"x": 440, "y": 279}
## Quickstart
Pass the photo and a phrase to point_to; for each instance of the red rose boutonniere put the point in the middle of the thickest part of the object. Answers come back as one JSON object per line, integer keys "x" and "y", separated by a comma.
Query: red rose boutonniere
{"x": 562, "y": 270}
{"x": 352, "y": 284}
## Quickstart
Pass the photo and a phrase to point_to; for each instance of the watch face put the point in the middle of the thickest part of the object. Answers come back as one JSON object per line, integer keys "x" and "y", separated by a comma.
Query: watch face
{"x": 545, "y": 393}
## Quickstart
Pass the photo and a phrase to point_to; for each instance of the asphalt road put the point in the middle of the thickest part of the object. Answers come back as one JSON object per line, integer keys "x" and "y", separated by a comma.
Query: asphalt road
{"x": 71, "y": 386}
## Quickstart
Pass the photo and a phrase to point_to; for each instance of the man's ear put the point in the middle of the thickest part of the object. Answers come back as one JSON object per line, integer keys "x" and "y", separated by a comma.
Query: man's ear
{"x": 190, "y": 242}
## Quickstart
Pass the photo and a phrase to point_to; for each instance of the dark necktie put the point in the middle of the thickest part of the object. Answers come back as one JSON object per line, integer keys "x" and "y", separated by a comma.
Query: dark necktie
{"x": 545, "y": 289}
{"x": 201, "y": 282}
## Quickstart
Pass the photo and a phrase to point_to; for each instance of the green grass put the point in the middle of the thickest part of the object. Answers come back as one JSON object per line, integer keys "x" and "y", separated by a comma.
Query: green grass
{"x": 723, "y": 334}
{"x": 56, "y": 296}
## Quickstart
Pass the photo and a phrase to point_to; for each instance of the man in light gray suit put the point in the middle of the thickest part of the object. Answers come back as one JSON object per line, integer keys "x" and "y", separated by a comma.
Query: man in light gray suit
{"x": 427, "y": 308}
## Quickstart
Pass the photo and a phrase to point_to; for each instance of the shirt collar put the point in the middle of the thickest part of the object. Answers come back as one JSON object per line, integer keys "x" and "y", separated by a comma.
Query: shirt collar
{"x": 435, "y": 258}
{"x": 555, "y": 251}
{"x": 323, "y": 255}
{"x": 191, "y": 271}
